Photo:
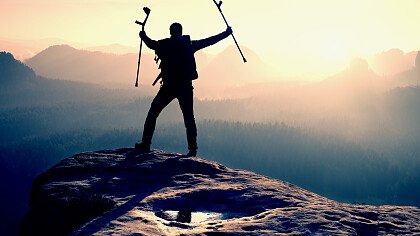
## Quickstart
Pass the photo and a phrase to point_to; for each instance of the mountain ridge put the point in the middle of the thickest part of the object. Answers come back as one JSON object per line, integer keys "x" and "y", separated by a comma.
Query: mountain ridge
{"x": 24, "y": 87}
{"x": 68, "y": 63}
{"x": 12, "y": 69}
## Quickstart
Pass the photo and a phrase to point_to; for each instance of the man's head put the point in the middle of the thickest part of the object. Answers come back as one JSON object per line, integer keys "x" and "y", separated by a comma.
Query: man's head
{"x": 176, "y": 30}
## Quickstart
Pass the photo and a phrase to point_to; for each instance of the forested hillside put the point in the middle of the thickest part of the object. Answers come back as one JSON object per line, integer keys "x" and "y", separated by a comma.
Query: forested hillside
{"x": 43, "y": 121}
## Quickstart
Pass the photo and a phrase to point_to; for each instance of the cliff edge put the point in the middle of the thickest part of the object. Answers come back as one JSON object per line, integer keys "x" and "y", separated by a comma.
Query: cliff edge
{"x": 123, "y": 192}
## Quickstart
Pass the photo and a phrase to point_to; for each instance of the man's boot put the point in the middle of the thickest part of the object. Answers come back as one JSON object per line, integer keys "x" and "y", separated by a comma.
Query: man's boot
{"x": 192, "y": 153}
{"x": 142, "y": 147}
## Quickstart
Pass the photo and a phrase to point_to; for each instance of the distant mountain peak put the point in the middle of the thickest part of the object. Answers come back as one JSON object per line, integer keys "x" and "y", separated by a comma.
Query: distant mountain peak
{"x": 231, "y": 52}
{"x": 6, "y": 56}
{"x": 359, "y": 65}
{"x": 60, "y": 48}
{"x": 12, "y": 69}
{"x": 230, "y": 70}
{"x": 114, "y": 48}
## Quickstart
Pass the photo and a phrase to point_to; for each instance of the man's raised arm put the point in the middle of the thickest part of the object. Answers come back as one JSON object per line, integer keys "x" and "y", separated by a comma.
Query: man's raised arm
{"x": 150, "y": 43}
{"x": 202, "y": 43}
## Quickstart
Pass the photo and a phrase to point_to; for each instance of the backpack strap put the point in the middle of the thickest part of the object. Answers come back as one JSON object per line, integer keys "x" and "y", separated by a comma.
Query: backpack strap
{"x": 157, "y": 59}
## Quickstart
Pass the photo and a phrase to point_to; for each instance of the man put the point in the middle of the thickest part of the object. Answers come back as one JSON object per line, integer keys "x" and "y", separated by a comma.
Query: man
{"x": 178, "y": 70}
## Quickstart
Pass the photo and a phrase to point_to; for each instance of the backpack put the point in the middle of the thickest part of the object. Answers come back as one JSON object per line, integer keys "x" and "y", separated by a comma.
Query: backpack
{"x": 177, "y": 62}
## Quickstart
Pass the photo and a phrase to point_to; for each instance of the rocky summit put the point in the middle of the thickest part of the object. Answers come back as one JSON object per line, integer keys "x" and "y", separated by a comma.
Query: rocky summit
{"x": 122, "y": 192}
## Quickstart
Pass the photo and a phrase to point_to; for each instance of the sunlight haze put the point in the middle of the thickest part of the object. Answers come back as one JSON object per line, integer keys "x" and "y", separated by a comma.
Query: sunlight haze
{"x": 100, "y": 136}
{"x": 296, "y": 38}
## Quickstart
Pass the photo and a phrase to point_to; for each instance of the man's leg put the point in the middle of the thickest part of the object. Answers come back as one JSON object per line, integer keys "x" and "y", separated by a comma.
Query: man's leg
{"x": 162, "y": 99}
{"x": 186, "y": 103}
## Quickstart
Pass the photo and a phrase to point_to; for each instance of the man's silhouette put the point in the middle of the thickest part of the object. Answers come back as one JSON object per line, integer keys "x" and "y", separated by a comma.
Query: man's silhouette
{"x": 178, "y": 70}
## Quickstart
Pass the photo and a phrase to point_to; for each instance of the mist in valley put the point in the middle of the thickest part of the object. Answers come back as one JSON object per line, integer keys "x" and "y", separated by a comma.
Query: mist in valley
{"x": 353, "y": 137}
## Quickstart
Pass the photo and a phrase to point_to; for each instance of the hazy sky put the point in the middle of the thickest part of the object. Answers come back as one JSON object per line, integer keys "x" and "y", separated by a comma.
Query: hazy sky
{"x": 297, "y": 36}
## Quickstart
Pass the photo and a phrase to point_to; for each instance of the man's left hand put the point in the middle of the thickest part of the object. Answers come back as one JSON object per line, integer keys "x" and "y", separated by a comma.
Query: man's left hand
{"x": 229, "y": 30}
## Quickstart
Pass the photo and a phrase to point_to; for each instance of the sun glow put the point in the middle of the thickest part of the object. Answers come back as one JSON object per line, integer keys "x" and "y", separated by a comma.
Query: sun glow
{"x": 295, "y": 37}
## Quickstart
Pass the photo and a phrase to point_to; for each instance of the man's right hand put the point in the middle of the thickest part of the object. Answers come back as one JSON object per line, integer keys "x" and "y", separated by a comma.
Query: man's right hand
{"x": 142, "y": 34}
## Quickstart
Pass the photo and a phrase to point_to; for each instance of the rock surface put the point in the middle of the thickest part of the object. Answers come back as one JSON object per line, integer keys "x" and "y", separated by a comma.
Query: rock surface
{"x": 121, "y": 192}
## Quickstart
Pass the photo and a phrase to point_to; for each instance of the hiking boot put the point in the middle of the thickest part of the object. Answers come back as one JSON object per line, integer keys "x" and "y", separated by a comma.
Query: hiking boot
{"x": 142, "y": 147}
{"x": 191, "y": 153}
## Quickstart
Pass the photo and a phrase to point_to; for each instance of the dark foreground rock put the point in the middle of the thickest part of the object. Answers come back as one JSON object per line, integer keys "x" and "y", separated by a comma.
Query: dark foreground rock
{"x": 121, "y": 192}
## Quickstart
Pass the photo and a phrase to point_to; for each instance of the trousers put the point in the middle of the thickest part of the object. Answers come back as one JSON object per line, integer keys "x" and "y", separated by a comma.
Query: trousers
{"x": 165, "y": 95}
